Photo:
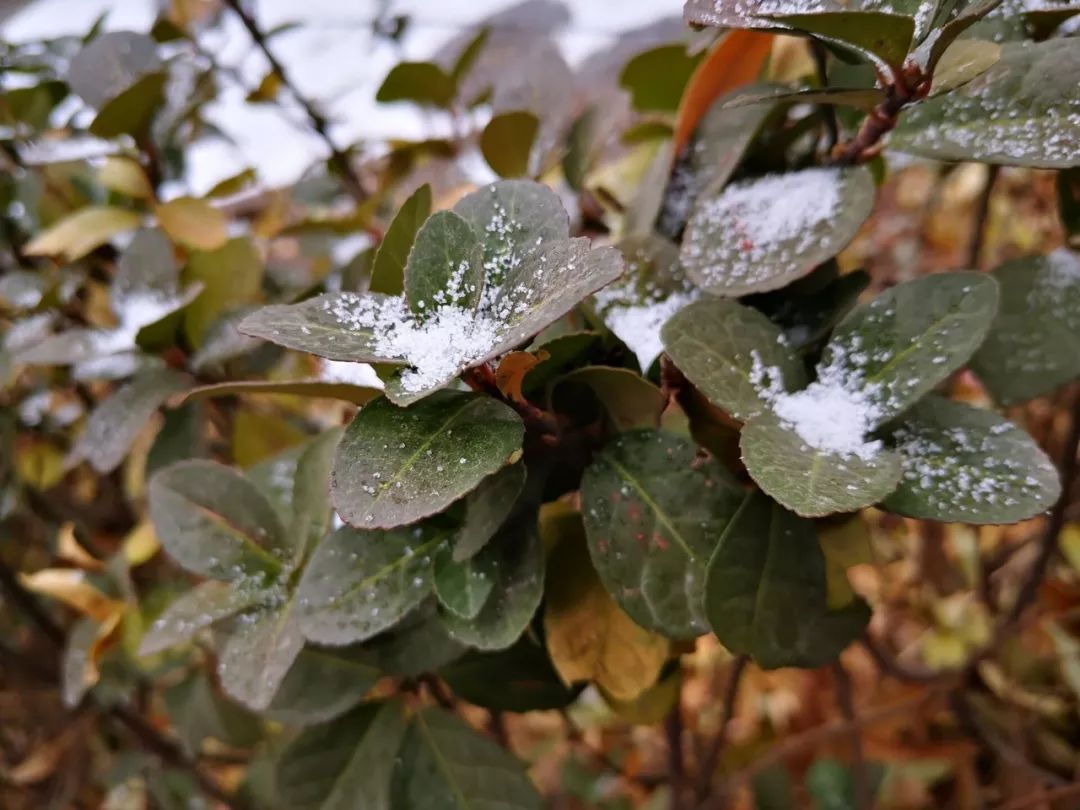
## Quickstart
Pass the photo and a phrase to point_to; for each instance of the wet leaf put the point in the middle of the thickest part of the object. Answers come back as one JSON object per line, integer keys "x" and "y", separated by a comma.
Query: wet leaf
{"x": 258, "y": 652}
{"x": 321, "y": 685}
{"x": 445, "y": 266}
{"x": 199, "y": 608}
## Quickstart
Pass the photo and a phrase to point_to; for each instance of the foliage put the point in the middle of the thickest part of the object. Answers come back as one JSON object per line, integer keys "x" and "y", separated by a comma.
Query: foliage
{"x": 620, "y": 394}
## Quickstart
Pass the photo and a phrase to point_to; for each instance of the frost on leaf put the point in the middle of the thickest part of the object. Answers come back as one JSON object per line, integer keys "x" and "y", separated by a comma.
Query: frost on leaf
{"x": 762, "y": 234}
{"x": 480, "y": 281}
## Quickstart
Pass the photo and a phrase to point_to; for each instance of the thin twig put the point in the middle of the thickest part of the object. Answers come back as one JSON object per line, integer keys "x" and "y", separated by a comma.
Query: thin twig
{"x": 863, "y": 799}
{"x": 982, "y": 211}
{"x": 339, "y": 159}
{"x": 710, "y": 760}
{"x": 910, "y": 86}
{"x": 906, "y": 673}
{"x": 828, "y": 111}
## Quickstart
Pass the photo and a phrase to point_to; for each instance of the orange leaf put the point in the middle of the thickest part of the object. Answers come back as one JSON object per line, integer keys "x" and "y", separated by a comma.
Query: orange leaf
{"x": 512, "y": 370}
{"x": 69, "y": 586}
{"x": 69, "y": 550}
{"x": 735, "y": 61}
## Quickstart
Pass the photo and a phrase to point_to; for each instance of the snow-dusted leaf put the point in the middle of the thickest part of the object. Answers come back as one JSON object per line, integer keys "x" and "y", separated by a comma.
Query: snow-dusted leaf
{"x": 115, "y": 424}
{"x": 516, "y": 558}
{"x": 206, "y": 603}
{"x": 486, "y": 508}
{"x": 109, "y": 64}
{"x": 817, "y": 464}
{"x": 463, "y": 587}
{"x": 397, "y": 465}
{"x": 216, "y": 523}
{"x": 724, "y": 348}
{"x": 1034, "y": 343}
{"x": 898, "y": 346}
{"x": 258, "y": 652}
{"x": 445, "y": 266}
{"x": 533, "y": 275}
{"x": 345, "y": 764}
{"x": 766, "y": 591}
{"x": 653, "y": 288}
{"x": 442, "y": 756}
{"x": 764, "y": 233}
{"x": 358, "y": 584}
{"x": 968, "y": 465}
{"x": 322, "y": 684}
{"x": 653, "y": 513}
{"x": 1023, "y": 111}
{"x": 388, "y": 269}
{"x": 147, "y": 263}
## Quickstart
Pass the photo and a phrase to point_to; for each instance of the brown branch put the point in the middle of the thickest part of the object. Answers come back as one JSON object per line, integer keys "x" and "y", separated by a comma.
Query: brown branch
{"x": 863, "y": 798}
{"x": 905, "y": 673}
{"x": 909, "y": 86}
{"x": 339, "y": 159}
{"x": 673, "y": 729}
{"x": 982, "y": 210}
{"x": 710, "y": 760}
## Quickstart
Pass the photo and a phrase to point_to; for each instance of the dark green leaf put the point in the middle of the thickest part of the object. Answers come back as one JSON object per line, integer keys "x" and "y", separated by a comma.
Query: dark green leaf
{"x": 1068, "y": 184}
{"x": 1033, "y": 346}
{"x": 321, "y": 685}
{"x": 507, "y": 142}
{"x": 886, "y": 36}
{"x": 463, "y": 587}
{"x": 808, "y": 316}
{"x": 388, "y": 270}
{"x": 721, "y": 345}
{"x": 358, "y": 584}
{"x": 214, "y": 522}
{"x": 765, "y": 593}
{"x": 967, "y": 465}
{"x": 629, "y": 399}
{"x": 259, "y": 651}
{"x": 516, "y": 557}
{"x": 1023, "y": 111}
{"x": 861, "y": 98}
{"x": 419, "y": 82}
{"x": 518, "y": 679}
{"x": 657, "y": 77}
{"x": 311, "y": 512}
{"x": 131, "y": 112}
{"x": 397, "y": 465}
{"x": 419, "y": 644}
{"x": 740, "y": 241}
{"x": 199, "y": 712}
{"x": 345, "y": 764}
{"x": 347, "y": 392}
{"x": 814, "y": 481}
{"x": 653, "y": 512}
{"x": 445, "y": 266}
{"x": 115, "y": 424}
{"x": 445, "y": 764}
{"x": 486, "y": 508}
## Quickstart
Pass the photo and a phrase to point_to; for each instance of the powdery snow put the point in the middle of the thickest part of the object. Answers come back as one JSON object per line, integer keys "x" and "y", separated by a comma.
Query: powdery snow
{"x": 342, "y": 371}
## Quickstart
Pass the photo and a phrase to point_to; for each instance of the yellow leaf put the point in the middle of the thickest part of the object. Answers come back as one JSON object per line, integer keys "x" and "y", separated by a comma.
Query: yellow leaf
{"x": 268, "y": 88}
{"x": 193, "y": 223}
{"x": 230, "y": 276}
{"x": 651, "y": 706}
{"x": 844, "y": 545}
{"x": 69, "y": 586}
{"x": 589, "y": 637}
{"x": 141, "y": 544}
{"x": 258, "y": 436}
{"x": 69, "y": 550}
{"x": 512, "y": 370}
{"x": 75, "y": 235}
{"x": 1070, "y": 545}
{"x": 39, "y": 464}
{"x": 125, "y": 176}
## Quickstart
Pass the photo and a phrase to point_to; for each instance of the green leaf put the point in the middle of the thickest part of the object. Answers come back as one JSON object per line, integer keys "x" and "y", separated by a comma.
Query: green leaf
{"x": 875, "y": 33}
{"x": 463, "y": 587}
{"x": 397, "y": 465}
{"x": 468, "y": 56}
{"x": 109, "y": 64}
{"x": 901, "y": 344}
{"x": 419, "y": 644}
{"x": 812, "y": 481}
{"x": 345, "y": 764}
{"x": 215, "y": 523}
{"x": 765, "y": 593}
{"x": 967, "y": 465}
{"x": 1033, "y": 346}
{"x": 1023, "y": 111}
{"x": 358, "y": 584}
{"x": 657, "y": 77}
{"x": 653, "y": 288}
{"x": 147, "y": 263}
{"x": 346, "y": 392}
{"x": 206, "y": 603}
{"x": 258, "y": 653}
{"x": 653, "y": 513}
{"x": 507, "y": 142}
{"x": 115, "y": 424}
{"x": 719, "y": 345}
{"x": 933, "y": 48}
{"x": 629, "y": 399}
{"x": 445, "y": 266}
{"x": 861, "y": 98}
{"x": 311, "y": 512}
{"x": 444, "y": 763}
{"x": 199, "y": 712}
{"x": 388, "y": 270}
{"x": 518, "y": 679}
{"x": 807, "y": 316}
{"x": 486, "y": 508}
{"x": 321, "y": 685}
{"x": 582, "y": 145}
{"x": 965, "y": 59}
{"x": 133, "y": 111}
{"x": 516, "y": 557}
{"x": 231, "y": 276}
{"x": 422, "y": 83}
{"x": 740, "y": 241}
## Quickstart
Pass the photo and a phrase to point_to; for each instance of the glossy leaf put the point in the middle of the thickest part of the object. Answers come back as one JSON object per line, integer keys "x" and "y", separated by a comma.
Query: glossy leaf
{"x": 653, "y": 513}
{"x": 965, "y": 60}
{"x": 740, "y": 241}
{"x": 718, "y": 345}
{"x": 397, "y": 465}
{"x": 1033, "y": 346}
{"x": 344, "y": 764}
{"x": 876, "y": 33}
{"x": 443, "y": 757}
{"x": 463, "y": 587}
{"x": 967, "y": 465}
{"x": 766, "y": 592}
{"x": 358, "y": 584}
{"x": 388, "y": 269}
